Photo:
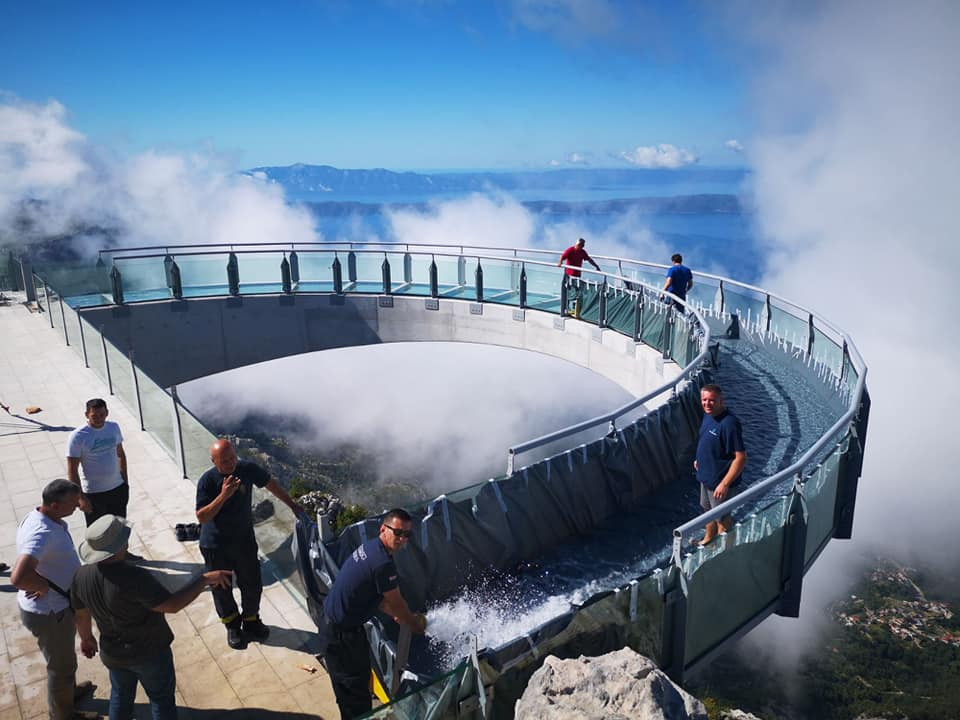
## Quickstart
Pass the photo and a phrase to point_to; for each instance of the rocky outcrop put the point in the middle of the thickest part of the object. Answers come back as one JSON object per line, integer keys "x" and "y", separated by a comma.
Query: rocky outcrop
{"x": 620, "y": 685}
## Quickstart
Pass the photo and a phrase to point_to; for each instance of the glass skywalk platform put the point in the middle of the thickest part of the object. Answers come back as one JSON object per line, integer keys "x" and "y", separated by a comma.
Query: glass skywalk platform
{"x": 606, "y": 524}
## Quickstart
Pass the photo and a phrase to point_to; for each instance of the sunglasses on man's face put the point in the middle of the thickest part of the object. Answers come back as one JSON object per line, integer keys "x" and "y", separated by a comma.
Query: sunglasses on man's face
{"x": 400, "y": 532}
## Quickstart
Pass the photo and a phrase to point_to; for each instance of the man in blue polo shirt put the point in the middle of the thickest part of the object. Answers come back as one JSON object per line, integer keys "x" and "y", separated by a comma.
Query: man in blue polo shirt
{"x": 367, "y": 582}
{"x": 721, "y": 457}
{"x": 679, "y": 280}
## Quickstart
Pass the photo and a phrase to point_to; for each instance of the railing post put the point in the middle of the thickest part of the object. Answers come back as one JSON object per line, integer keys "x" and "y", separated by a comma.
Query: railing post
{"x": 176, "y": 286}
{"x": 479, "y": 281}
{"x": 407, "y": 268}
{"x": 666, "y": 332}
{"x": 337, "y": 276}
{"x": 285, "y": 282}
{"x": 768, "y": 312}
{"x": 116, "y": 285}
{"x": 638, "y": 317}
{"x": 351, "y": 266}
{"x": 46, "y": 303}
{"x": 294, "y": 267}
{"x": 106, "y": 360}
{"x": 179, "y": 434}
{"x": 385, "y": 271}
{"x": 810, "y": 334}
{"x": 63, "y": 319}
{"x": 563, "y": 294}
{"x": 434, "y": 288}
{"x": 523, "y": 285}
{"x": 83, "y": 341}
{"x": 794, "y": 550}
{"x": 719, "y": 299}
{"x": 602, "y": 308}
{"x": 233, "y": 274}
{"x": 674, "y": 624}
{"x": 136, "y": 387}
{"x": 461, "y": 269}
{"x": 167, "y": 263}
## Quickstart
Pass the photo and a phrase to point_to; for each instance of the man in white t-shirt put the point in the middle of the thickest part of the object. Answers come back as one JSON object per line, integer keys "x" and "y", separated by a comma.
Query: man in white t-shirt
{"x": 45, "y": 565}
{"x": 97, "y": 449}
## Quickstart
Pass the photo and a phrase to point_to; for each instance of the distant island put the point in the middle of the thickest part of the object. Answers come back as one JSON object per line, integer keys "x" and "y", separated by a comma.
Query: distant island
{"x": 663, "y": 191}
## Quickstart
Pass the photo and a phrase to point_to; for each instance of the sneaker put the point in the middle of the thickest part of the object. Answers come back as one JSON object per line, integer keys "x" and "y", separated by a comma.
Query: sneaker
{"x": 235, "y": 637}
{"x": 256, "y": 629}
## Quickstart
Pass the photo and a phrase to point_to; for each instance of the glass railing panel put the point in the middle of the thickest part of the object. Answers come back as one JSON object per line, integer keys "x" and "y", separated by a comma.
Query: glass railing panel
{"x": 260, "y": 272}
{"x": 73, "y": 329}
{"x": 437, "y": 699}
{"x": 121, "y": 375}
{"x": 197, "y": 440}
{"x": 789, "y": 323}
{"x": 826, "y": 350}
{"x": 745, "y": 304}
{"x": 95, "y": 356}
{"x": 644, "y": 275}
{"x": 543, "y": 287}
{"x": 821, "y": 496}
{"x": 143, "y": 278}
{"x": 203, "y": 274}
{"x": 54, "y": 308}
{"x": 158, "y": 418}
{"x": 369, "y": 270}
{"x": 38, "y": 292}
{"x": 680, "y": 342}
{"x": 703, "y": 292}
{"x": 449, "y": 271}
{"x": 585, "y": 299}
{"x": 499, "y": 277}
{"x": 744, "y": 564}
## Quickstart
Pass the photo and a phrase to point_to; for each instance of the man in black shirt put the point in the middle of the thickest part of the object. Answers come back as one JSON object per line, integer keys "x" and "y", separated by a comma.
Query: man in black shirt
{"x": 367, "y": 582}
{"x": 227, "y": 541}
{"x": 129, "y": 603}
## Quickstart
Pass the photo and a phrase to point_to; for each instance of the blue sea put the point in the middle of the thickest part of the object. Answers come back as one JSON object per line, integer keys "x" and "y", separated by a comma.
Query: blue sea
{"x": 714, "y": 240}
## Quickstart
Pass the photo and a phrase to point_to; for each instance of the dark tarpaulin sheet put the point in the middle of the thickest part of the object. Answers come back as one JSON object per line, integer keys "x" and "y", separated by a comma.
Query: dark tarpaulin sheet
{"x": 495, "y": 525}
{"x": 621, "y": 310}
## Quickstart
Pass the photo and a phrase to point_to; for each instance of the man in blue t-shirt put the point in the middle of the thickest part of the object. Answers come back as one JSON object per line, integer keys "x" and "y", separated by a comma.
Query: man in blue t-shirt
{"x": 721, "y": 457}
{"x": 679, "y": 280}
{"x": 367, "y": 582}
{"x": 227, "y": 541}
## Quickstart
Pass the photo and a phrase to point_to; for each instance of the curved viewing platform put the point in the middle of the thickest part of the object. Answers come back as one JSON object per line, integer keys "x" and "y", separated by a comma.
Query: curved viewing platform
{"x": 588, "y": 531}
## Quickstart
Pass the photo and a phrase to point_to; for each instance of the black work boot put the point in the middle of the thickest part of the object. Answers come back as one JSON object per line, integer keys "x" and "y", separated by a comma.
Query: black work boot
{"x": 255, "y": 629}
{"x": 235, "y": 637}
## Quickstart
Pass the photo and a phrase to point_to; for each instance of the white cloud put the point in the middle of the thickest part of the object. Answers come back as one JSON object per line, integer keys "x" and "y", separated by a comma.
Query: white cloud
{"x": 577, "y": 158}
{"x": 659, "y": 156}
{"x": 53, "y": 177}
{"x": 568, "y": 20}
{"x": 856, "y": 169}
{"x": 734, "y": 145}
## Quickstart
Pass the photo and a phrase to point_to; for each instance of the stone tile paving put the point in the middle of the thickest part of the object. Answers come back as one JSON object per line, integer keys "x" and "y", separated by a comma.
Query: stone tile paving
{"x": 266, "y": 680}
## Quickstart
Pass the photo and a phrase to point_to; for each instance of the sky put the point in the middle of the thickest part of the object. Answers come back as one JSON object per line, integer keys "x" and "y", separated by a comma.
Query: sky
{"x": 133, "y": 115}
{"x": 400, "y": 84}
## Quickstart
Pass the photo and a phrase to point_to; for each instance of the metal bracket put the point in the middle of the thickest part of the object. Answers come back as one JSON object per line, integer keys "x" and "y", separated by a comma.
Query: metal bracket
{"x": 558, "y": 323}
{"x": 520, "y": 315}
{"x": 431, "y": 304}
{"x": 385, "y": 301}
{"x": 476, "y": 309}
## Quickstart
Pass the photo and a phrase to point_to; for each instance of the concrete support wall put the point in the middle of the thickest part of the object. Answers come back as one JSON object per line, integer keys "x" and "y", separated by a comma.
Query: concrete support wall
{"x": 177, "y": 341}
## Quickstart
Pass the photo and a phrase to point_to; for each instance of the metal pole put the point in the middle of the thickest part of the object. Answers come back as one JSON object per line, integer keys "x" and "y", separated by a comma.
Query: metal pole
{"x": 479, "y": 276}
{"x": 337, "y": 276}
{"x": 63, "y": 319}
{"x": 176, "y": 419}
{"x": 385, "y": 271}
{"x": 46, "y": 303}
{"x": 434, "y": 289}
{"x": 106, "y": 360}
{"x": 523, "y": 285}
{"x": 136, "y": 387}
{"x": 83, "y": 341}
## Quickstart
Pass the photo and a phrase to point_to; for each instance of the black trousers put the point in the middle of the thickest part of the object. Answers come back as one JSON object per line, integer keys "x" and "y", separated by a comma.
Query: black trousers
{"x": 111, "y": 502}
{"x": 242, "y": 559}
{"x": 347, "y": 659}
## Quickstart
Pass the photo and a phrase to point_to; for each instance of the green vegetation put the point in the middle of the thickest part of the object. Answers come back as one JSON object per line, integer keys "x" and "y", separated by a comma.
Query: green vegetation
{"x": 892, "y": 651}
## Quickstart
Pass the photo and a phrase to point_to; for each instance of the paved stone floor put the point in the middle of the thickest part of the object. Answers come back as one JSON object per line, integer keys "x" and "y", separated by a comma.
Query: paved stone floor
{"x": 276, "y": 679}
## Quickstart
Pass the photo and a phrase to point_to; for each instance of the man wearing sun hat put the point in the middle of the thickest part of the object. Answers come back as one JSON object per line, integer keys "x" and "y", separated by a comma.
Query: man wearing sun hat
{"x": 129, "y": 604}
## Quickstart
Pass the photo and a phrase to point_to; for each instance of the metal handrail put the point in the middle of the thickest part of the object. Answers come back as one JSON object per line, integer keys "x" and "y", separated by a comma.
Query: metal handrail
{"x": 536, "y": 251}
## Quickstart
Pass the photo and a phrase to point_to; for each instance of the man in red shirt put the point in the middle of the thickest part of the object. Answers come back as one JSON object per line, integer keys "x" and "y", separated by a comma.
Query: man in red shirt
{"x": 575, "y": 255}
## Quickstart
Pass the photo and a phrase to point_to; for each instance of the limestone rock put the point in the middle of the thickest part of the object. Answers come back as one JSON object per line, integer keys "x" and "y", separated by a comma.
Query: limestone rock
{"x": 621, "y": 685}
{"x": 737, "y": 715}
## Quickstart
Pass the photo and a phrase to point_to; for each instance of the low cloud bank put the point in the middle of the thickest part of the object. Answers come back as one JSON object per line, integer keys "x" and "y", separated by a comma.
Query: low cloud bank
{"x": 856, "y": 171}
{"x": 56, "y": 183}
